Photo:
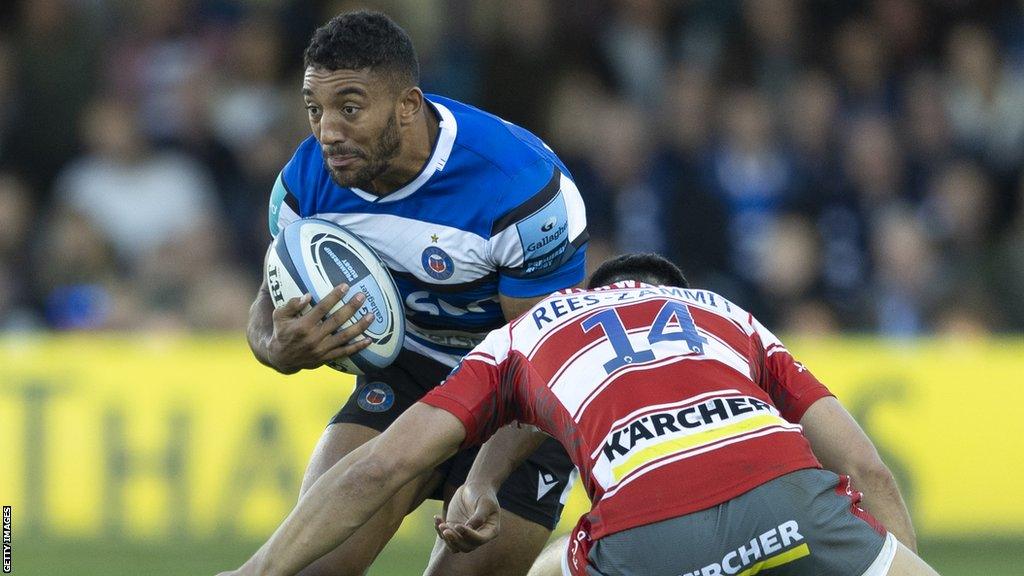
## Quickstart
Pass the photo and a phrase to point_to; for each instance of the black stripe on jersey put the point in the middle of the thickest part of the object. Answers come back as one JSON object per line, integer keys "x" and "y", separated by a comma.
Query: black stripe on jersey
{"x": 445, "y": 288}
{"x": 538, "y": 201}
{"x": 581, "y": 239}
{"x": 290, "y": 199}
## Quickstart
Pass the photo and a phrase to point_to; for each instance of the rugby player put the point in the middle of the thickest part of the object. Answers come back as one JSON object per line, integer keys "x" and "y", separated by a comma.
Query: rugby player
{"x": 705, "y": 448}
{"x": 476, "y": 218}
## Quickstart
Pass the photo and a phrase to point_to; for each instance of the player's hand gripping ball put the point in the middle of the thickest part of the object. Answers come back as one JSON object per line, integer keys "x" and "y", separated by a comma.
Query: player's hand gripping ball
{"x": 313, "y": 256}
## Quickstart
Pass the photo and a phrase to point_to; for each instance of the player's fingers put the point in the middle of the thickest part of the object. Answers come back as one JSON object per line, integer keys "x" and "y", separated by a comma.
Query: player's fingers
{"x": 446, "y": 534}
{"x": 346, "y": 350}
{"x": 327, "y": 303}
{"x": 463, "y": 540}
{"x": 333, "y": 321}
{"x": 456, "y": 543}
{"x": 293, "y": 307}
{"x": 473, "y": 537}
{"x": 480, "y": 515}
{"x": 350, "y": 333}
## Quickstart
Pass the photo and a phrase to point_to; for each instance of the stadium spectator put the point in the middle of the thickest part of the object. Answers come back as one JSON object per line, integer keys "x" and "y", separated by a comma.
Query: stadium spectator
{"x": 927, "y": 133}
{"x": 776, "y": 45}
{"x": 636, "y": 48}
{"x": 79, "y": 279}
{"x": 908, "y": 285}
{"x": 139, "y": 198}
{"x": 157, "y": 53}
{"x": 754, "y": 177}
{"x": 986, "y": 100}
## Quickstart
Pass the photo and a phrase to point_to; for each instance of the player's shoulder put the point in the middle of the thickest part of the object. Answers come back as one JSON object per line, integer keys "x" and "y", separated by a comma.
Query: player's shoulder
{"x": 305, "y": 169}
{"x": 295, "y": 191}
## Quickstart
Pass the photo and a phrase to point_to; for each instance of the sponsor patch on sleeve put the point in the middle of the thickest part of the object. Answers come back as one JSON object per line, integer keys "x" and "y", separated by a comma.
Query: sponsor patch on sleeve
{"x": 545, "y": 237}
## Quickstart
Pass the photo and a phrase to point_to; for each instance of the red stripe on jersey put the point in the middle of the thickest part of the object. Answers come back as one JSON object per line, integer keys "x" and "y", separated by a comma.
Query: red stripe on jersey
{"x": 627, "y": 369}
{"x": 845, "y": 488}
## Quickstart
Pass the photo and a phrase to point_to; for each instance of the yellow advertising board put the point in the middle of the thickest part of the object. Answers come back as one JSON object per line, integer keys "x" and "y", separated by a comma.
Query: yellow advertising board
{"x": 158, "y": 436}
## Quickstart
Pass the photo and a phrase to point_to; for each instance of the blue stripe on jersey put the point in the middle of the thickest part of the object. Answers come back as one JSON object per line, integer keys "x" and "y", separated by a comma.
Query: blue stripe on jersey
{"x": 473, "y": 310}
{"x": 569, "y": 274}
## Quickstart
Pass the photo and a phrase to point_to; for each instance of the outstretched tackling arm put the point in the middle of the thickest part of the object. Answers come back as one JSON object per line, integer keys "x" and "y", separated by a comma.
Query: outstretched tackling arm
{"x": 841, "y": 446}
{"x": 354, "y": 488}
{"x": 473, "y": 515}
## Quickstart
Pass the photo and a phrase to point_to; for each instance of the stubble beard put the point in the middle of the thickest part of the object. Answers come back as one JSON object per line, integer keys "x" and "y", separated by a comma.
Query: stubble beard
{"x": 377, "y": 163}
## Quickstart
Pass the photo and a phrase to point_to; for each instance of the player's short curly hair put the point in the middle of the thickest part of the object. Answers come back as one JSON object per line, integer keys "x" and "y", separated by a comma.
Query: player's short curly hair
{"x": 648, "y": 268}
{"x": 357, "y": 40}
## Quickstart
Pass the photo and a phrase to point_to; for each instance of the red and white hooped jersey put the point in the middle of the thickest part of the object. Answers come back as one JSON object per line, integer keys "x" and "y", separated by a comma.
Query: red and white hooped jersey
{"x": 668, "y": 400}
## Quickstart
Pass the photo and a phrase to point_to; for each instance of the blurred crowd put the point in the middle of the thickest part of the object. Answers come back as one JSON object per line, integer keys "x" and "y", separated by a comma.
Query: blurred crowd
{"x": 832, "y": 165}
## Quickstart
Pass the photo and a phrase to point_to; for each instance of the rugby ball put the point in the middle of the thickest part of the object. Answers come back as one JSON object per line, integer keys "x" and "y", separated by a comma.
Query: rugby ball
{"x": 313, "y": 256}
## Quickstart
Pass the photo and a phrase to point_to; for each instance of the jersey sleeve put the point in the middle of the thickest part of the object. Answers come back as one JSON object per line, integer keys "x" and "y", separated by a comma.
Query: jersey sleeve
{"x": 285, "y": 205}
{"x": 473, "y": 391}
{"x": 538, "y": 240}
{"x": 790, "y": 384}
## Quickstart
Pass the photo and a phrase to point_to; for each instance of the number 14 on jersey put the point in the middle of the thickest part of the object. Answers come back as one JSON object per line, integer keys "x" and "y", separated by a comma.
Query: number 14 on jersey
{"x": 611, "y": 323}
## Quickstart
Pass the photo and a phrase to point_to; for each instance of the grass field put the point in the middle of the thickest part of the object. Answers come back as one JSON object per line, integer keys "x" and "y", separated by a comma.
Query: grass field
{"x": 403, "y": 557}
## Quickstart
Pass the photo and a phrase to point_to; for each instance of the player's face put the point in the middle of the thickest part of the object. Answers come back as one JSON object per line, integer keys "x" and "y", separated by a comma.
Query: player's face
{"x": 353, "y": 115}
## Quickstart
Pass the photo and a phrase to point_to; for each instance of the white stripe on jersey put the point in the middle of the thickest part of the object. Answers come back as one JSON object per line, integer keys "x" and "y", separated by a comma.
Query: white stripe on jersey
{"x": 575, "y": 208}
{"x": 446, "y": 359}
{"x": 400, "y": 242}
{"x": 664, "y": 407}
{"x": 577, "y": 398}
{"x": 285, "y": 215}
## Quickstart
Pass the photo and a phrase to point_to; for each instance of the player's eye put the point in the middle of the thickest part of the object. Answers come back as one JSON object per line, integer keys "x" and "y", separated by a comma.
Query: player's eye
{"x": 313, "y": 109}
{"x": 349, "y": 110}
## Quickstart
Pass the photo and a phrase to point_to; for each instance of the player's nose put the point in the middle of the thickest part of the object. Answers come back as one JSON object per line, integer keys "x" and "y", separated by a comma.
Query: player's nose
{"x": 332, "y": 130}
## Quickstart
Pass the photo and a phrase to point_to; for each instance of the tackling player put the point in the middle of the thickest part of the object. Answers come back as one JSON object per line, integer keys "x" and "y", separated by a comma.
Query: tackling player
{"x": 476, "y": 219}
{"x": 705, "y": 448}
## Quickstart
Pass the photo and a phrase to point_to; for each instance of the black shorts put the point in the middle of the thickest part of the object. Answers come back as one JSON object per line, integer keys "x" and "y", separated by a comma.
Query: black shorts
{"x": 534, "y": 491}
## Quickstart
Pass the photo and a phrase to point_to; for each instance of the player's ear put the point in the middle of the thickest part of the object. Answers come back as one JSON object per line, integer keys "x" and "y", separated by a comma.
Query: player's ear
{"x": 409, "y": 105}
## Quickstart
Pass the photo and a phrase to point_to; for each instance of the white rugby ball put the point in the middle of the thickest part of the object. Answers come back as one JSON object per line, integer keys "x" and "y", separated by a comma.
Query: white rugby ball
{"x": 313, "y": 256}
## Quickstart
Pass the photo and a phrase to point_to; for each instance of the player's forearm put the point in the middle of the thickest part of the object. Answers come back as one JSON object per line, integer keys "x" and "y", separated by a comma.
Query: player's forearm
{"x": 260, "y": 329}
{"x": 882, "y": 500}
{"x": 503, "y": 453}
{"x": 341, "y": 501}
{"x": 841, "y": 446}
